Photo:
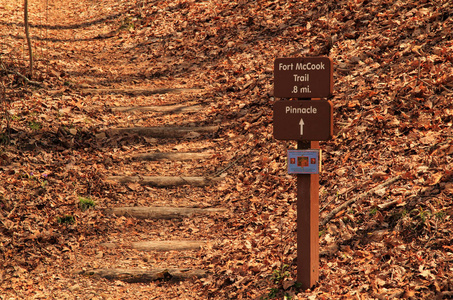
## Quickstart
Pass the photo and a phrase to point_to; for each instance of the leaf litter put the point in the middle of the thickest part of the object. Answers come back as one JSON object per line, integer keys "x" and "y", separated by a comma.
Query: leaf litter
{"x": 393, "y": 117}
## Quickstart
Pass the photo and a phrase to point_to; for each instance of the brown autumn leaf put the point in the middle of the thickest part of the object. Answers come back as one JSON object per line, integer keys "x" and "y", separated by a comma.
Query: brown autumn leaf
{"x": 435, "y": 178}
{"x": 429, "y": 139}
{"x": 449, "y": 187}
{"x": 134, "y": 186}
{"x": 379, "y": 175}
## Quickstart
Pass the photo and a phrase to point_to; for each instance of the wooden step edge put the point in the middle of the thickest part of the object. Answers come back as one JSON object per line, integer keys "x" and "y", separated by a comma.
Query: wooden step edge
{"x": 166, "y": 181}
{"x": 159, "y": 246}
{"x": 136, "y": 275}
{"x": 138, "y": 91}
{"x": 162, "y": 132}
{"x": 176, "y": 156}
{"x": 159, "y": 212}
{"x": 178, "y": 108}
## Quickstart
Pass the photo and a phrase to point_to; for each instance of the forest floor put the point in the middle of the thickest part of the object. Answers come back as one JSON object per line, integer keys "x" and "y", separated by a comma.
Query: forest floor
{"x": 120, "y": 79}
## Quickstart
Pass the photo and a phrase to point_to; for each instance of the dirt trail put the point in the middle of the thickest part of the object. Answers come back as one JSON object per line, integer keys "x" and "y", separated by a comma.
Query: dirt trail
{"x": 104, "y": 72}
{"x": 101, "y": 72}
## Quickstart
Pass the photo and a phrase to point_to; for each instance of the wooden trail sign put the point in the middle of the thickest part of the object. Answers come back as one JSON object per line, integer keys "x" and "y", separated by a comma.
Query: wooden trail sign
{"x": 308, "y": 122}
{"x": 308, "y": 77}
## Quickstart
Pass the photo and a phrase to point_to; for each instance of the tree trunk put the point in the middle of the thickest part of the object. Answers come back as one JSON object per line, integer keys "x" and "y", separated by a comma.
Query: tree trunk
{"x": 27, "y": 34}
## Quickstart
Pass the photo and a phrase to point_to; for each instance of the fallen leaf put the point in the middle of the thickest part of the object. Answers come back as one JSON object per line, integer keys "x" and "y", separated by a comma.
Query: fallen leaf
{"x": 449, "y": 187}
{"x": 381, "y": 192}
{"x": 134, "y": 186}
{"x": 380, "y": 175}
{"x": 435, "y": 179}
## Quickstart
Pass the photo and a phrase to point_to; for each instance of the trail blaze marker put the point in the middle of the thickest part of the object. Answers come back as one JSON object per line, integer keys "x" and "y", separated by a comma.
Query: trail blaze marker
{"x": 308, "y": 122}
{"x": 304, "y": 161}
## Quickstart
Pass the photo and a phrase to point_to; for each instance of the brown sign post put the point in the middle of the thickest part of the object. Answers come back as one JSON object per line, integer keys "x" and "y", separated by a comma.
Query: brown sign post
{"x": 307, "y": 224}
{"x": 308, "y": 122}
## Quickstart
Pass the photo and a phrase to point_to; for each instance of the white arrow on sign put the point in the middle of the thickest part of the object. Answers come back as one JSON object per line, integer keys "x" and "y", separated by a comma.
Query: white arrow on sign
{"x": 301, "y": 123}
